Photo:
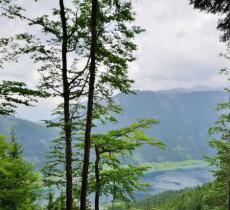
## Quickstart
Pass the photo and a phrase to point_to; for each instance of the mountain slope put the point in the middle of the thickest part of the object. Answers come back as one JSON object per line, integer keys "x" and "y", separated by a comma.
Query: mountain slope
{"x": 189, "y": 199}
{"x": 184, "y": 121}
{"x": 34, "y": 137}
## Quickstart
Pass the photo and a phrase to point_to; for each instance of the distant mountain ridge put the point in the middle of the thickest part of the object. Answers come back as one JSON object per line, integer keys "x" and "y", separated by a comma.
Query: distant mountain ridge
{"x": 34, "y": 137}
{"x": 199, "y": 88}
{"x": 184, "y": 121}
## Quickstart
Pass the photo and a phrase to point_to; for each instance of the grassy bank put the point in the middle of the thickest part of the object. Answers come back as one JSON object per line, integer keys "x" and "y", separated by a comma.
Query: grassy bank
{"x": 175, "y": 164}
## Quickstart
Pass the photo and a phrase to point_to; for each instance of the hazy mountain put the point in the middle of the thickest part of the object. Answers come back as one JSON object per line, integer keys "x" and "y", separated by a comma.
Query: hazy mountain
{"x": 199, "y": 88}
{"x": 184, "y": 121}
{"x": 33, "y": 136}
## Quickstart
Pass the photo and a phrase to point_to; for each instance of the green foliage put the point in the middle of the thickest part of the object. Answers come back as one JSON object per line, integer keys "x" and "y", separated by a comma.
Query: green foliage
{"x": 19, "y": 186}
{"x": 203, "y": 197}
{"x": 54, "y": 167}
{"x": 51, "y": 204}
{"x": 115, "y": 175}
{"x": 16, "y": 149}
{"x": 122, "y": 182}
{"x": 115, "y": 46}
{"x": 60, "y": 201}
{"x": 185, "y": 140}
{"x": 62, "y": 51}
{"x": 120, "y": 206}
{"x": 35, "y": 138}
{"x": 186, "y": 199}
{"x": 53, "y": 170}
{"x": 221, "y": 160}
{"x": 175, "y": 164}
{"x": 14, "y": 93}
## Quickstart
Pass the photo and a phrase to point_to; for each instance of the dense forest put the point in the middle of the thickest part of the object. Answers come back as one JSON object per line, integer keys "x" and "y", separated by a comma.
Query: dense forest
{"x": 189, "y": 199}
{"x": 106, "y": 146}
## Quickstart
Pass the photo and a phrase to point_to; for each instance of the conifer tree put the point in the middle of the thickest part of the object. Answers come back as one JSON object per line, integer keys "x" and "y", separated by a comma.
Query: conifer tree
{"x": 51, "y": 205}
{"x": 60, "y": 202}
{"x": 221, "y": 189}
{"x": 19, "y": 184}
{"x": 16, "y": 150}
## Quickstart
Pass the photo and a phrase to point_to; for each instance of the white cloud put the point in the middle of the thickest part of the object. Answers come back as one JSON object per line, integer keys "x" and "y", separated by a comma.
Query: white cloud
{"x": 180, "y": 48}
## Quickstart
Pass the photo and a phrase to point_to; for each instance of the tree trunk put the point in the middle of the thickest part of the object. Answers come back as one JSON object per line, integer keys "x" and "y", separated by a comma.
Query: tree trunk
{"x": 87, "y": 140}
{"x": 97, "y": 177}
{"x": 228, "y": 202}
{"x": 67, "y": 122}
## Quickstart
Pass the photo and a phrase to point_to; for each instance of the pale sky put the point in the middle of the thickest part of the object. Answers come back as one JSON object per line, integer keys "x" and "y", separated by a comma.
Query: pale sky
{"x": 180, "y": 48}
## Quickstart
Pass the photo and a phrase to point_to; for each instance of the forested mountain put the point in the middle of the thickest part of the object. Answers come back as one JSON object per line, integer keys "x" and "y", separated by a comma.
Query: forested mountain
{"x": 34, "y": 137}
{"x": 185, "y": 117}
{"x": 185, "y": 199}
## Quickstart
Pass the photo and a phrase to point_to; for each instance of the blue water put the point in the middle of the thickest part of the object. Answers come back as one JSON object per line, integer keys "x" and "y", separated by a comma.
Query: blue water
{"x": 176, "y": 179}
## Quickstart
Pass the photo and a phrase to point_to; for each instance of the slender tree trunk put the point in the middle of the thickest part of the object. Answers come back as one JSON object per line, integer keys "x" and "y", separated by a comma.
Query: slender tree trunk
{"x": 97, "y": 177}
{"x": 67, "y": 122}
{"x": 113, "y": 195}
{"x": 87, "y": 140}
{"x": 228, "y": 202}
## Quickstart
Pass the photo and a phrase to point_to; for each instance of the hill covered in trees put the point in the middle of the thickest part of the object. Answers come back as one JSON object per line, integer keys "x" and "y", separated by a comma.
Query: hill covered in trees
{"x": 185, "y": 117}
{"x": 34, "y": 137}
{"x": 186, "y": 199}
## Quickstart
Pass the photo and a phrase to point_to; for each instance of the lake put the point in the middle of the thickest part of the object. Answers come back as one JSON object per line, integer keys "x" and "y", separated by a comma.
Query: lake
{"x": 176, "y": 179}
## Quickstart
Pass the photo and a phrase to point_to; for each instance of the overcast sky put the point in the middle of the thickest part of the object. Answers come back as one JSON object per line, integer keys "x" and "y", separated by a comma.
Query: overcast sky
{"x": 180, "y": 48}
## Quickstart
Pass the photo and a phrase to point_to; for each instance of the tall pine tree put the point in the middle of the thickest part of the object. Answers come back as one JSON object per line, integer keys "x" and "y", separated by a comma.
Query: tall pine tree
{"x": 221, "y": 189}
{"x": 19, "y": 183}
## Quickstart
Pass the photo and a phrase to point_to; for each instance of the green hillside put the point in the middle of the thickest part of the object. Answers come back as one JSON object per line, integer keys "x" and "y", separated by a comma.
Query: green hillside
{"x": 175, "y": 164}
{"x": 186, "y": 199}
